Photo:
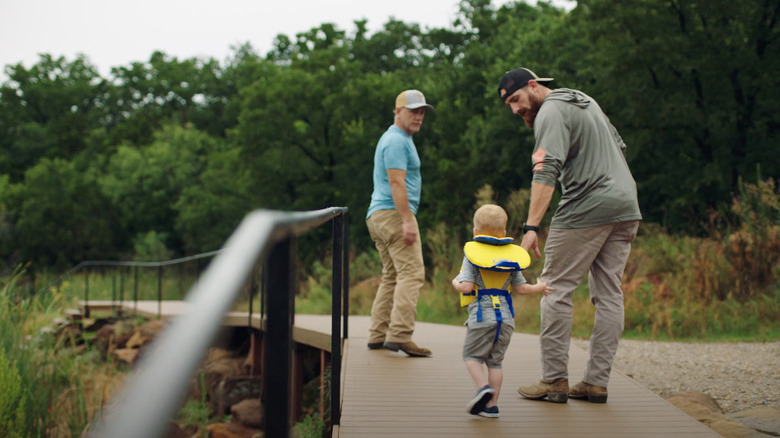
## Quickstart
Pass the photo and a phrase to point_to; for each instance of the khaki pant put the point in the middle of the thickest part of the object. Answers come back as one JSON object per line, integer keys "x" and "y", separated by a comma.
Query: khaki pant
{"x": 602, "y": 252}
{"x": 395, "y": 306}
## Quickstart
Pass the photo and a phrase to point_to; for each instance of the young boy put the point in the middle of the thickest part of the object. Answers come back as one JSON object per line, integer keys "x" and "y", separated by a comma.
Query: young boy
{"x": 490, "y": 266}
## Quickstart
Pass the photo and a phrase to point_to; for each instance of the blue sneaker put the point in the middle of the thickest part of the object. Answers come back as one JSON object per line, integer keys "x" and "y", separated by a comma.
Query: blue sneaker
{"x": 478, "y": 403}
{"x": 491, "y": 412}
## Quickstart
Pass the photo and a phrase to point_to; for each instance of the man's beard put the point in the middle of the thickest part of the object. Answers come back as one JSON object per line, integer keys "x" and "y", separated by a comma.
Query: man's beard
{"x": 530, "y": 116}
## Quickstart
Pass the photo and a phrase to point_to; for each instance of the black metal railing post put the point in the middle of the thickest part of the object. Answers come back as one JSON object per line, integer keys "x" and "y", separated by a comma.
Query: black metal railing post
{"x": 278, "y": 354}
{"x": 135, "y": 290}
{"x": 159, "y": 291}
{"x": 345, "y": 252}
{"x": 86, "y": 293}
{"x": 335, "y": 330}
{"x": 121, "y": 285}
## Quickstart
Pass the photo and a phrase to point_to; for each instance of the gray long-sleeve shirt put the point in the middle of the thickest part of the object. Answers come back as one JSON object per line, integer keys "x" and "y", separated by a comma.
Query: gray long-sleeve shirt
{"x": 577, "y": 145}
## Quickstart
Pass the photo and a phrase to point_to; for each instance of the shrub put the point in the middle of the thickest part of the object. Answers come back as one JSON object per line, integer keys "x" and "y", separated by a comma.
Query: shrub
{"x": 13, "y": 403}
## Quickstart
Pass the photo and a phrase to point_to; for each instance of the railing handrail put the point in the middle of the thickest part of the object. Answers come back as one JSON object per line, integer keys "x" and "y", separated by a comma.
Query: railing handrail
{"x": 154, "y": 391}
{"x": 129, "y": 263}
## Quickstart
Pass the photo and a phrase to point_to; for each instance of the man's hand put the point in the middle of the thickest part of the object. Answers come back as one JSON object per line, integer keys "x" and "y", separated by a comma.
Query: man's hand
{"x": 531, "y": 242}
{"x": 409, "y": 232}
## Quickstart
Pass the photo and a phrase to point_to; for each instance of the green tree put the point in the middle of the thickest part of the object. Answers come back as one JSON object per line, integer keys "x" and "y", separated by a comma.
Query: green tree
{"x": 148, "y": 95}
{"x": 690, "y": 84}
{"x": 47, "y": 111}
{"x": 62, "y": 219}
{"x": 144, "y": 183}
{"x": 208, "y": 212}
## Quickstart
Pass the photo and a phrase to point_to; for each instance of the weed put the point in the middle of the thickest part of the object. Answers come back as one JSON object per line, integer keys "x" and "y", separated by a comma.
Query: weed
{"x": 312, "y": 426}
{"x": 197, "y": 412}
{"x": 12, "y": 400}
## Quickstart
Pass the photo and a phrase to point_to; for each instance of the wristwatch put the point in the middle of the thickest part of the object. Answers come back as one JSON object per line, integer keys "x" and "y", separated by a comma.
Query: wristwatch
{"x": 527, "y": 228}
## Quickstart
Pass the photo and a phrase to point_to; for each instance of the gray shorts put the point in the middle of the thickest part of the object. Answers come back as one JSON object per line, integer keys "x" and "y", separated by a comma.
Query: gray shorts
{"x": 479, "y": 345}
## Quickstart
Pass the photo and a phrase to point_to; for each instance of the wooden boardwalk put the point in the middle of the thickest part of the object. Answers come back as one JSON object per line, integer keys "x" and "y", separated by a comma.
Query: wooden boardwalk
{"x": 386, "y": 394}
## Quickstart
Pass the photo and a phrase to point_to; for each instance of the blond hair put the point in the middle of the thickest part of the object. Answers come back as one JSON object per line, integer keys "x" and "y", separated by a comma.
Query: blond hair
{"x": 490, "y": 219}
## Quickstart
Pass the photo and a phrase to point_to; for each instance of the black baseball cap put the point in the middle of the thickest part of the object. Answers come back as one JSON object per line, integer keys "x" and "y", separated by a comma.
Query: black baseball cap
{"x": 516, "y": 79}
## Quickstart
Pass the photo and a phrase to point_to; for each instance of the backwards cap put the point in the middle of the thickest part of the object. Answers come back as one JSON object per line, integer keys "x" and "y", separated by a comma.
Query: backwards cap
{"x": 516, "y": 79}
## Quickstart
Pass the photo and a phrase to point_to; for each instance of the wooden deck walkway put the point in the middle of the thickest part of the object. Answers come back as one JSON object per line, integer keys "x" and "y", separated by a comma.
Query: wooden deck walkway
{"x": 386, "y": 394}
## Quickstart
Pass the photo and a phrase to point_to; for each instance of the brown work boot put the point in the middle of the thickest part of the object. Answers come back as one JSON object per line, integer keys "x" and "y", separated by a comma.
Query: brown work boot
{"x": 556, "y": 391}
{"x": 593, "y": 393}
{"x": 409, "y": 348}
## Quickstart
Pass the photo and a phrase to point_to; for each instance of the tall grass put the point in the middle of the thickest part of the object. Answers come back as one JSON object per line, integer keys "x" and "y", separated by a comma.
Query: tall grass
{"x": 726, "y": 285}
{"x": 62, "y": 386}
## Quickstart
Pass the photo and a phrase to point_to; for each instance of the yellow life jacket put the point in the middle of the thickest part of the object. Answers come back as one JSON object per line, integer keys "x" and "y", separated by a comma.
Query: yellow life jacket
{"x": 496, "y": 258}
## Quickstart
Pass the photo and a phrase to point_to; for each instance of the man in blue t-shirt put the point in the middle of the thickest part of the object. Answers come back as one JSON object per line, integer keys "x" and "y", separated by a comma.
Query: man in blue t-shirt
{"x": 393, "y": 226}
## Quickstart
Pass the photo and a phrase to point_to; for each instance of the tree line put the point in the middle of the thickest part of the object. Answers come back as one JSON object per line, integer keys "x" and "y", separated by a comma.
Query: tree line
{"x": 165, "y": 157}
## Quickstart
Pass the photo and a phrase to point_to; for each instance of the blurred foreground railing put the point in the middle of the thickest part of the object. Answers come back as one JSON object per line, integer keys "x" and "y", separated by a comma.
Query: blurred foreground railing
{"x": 154, "y": 392}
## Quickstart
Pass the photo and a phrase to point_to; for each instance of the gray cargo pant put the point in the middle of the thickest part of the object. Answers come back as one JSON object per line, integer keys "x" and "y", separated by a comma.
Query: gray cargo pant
{"x": 602, "y": 252}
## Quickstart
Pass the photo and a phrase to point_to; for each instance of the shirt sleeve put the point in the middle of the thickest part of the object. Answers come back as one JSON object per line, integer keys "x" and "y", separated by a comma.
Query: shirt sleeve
{"x": 516, "y": 278}
{"x": 468, "y": 272}
{"x": 552, "y": 144}
{"x": 396, "y": 154}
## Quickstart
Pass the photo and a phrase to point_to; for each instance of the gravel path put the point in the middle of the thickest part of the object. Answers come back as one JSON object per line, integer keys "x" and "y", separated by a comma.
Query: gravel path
{"x": 739, "y": 376}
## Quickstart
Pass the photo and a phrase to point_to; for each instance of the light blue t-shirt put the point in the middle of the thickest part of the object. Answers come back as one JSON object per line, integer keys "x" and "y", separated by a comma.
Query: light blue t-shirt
{"x": 395, "y": 150}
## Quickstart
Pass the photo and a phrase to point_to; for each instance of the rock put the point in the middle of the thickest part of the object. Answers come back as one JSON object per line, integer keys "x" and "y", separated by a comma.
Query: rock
{"x": 126, "y": 355}
{"x": 103, "y": 340}
{"x": 699, "y": 397}
{"x": 136, "y": 340}
{"x": 248, "y": 412}
{"x": 232, "y": 390}
{"x": 152, "y": 327}
{"x": 219, "y": 365}
{"x": 697, "y": 408}
{"x": 764, "y": 419}
{"x": 232, "y": 430}
{"x": 145, "y": 334}
{"x": 176, "y": 430}
{"x": 120, "y": 340}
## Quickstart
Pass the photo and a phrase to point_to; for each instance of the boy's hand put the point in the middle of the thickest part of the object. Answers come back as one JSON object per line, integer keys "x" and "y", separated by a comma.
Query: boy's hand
{"x": 543, "y": 288}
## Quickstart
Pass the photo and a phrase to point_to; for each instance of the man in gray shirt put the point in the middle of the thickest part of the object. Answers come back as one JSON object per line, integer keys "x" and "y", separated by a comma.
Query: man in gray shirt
{"x": 591, "y": 231}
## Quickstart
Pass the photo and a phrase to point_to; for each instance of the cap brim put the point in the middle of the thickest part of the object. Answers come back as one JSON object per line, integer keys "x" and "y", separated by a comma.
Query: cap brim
{"x": 418, "y": 105}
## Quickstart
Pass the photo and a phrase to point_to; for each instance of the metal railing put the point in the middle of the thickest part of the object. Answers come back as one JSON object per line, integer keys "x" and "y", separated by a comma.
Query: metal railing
{"x": 118, "y": 298}
{"x": 153, "y": 393}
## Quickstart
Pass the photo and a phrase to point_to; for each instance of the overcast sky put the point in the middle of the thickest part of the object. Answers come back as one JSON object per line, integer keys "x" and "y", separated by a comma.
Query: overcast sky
{"x": 115, "y": 33}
